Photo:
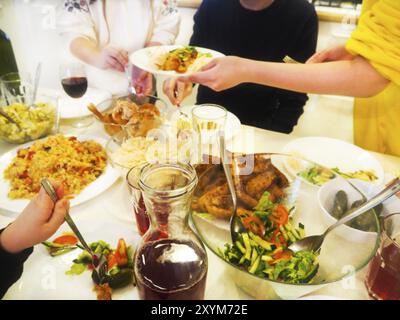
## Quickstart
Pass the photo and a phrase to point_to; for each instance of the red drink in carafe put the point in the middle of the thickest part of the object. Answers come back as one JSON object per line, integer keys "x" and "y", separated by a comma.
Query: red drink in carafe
{"x": 171, "y": 269}
{"x": 142, "y": 219}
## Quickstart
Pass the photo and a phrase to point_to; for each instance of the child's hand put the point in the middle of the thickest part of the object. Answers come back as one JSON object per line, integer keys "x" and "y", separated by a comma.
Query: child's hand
{"x": 39, "y": 221}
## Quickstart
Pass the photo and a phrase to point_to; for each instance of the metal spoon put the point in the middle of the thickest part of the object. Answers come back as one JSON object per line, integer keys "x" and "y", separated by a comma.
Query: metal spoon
{"x": 5, "y": 115}
{"x": 36, "y": 85}
{"x": 98, "y": 261}
{"x": 314, "y": 243}
{"x": 236, "y": 225}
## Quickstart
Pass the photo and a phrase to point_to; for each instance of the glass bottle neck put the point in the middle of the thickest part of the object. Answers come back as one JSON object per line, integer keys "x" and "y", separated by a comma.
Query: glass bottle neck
{"x": 167, "y": 191}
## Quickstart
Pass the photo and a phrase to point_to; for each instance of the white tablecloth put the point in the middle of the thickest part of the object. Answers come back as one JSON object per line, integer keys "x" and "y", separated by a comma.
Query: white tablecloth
{"x": 113, "y": 205}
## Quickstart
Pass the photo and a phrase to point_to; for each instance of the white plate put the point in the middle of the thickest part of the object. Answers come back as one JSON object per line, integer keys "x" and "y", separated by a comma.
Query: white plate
{"x": 333, "y": 153}
{"x": 98, "y": 186}
{"x": 232, "y": 125}
{"x": 148, "y": 58}
{"x": 44, "y": 277}
{"x": 77, "y": 108}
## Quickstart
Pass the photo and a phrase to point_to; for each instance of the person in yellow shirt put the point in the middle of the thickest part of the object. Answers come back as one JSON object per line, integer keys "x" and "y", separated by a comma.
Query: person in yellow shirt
{"x": 367, "y": 68}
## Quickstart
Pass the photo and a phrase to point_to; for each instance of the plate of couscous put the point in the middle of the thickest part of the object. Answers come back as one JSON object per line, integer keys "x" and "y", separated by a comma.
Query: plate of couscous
{"x": 80, "y": 163}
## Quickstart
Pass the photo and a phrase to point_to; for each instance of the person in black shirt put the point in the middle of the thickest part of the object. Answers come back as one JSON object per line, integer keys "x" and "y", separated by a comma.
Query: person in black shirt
{"x": 39, "y": 221}
{"x": 265, "y": 30}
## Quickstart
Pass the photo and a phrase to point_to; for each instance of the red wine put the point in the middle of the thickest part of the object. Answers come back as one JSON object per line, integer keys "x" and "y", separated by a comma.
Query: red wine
{"x": 75, "y": 87}
{"x": 142, "y": 219}
{"x": 383, "y": 280}
{"x": 171, "y": 269}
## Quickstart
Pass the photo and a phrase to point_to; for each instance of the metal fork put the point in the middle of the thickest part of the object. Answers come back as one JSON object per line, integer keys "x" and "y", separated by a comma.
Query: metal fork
{"x": 99, "y": 261}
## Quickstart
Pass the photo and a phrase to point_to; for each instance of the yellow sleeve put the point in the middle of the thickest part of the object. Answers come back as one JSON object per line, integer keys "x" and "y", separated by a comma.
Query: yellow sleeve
{"x": 367, "y": 5}
{"x": 377, "y": 38}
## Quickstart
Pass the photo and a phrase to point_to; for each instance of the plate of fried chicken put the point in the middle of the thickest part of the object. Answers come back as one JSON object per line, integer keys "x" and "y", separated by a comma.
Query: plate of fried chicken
{"x": 253, "y": 175}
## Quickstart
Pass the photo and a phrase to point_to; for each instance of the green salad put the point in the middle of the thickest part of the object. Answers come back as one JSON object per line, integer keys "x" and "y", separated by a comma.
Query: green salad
{"x": 319, "y": 175}
{"x": 119, "y": 271}
{"x": 263, "y": 249}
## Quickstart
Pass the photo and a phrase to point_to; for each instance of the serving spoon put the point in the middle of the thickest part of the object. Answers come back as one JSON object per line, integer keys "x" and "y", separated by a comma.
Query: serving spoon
{"x": 314, "y": 243}
{"x": 9, "y": 119}
{"x": 236, "y": 225}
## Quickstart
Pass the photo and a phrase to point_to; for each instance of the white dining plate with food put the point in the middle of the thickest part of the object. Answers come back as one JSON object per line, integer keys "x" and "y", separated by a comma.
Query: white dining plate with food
{"x": 45, "y": 277}
{"x": 77, "y": 108}
{"x": 339, "y": 157}
{"x": 173, "y": 61}
{"x": 90, "y": 188}
{"x": 232, "y": 124}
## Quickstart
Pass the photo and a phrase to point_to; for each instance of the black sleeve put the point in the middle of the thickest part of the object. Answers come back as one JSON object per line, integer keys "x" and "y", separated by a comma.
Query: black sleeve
{"x": 11, "y": 267}
{"x": 199, "y": 27}
{"x": 291, "y": 104}
{"x": 306, "y": 39}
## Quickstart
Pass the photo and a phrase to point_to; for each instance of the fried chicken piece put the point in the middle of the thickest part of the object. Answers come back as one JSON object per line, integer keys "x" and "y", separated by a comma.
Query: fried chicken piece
{"x": 124, "y": 111}
{"x": 148, "y": 107}
{"x": 217, "y": 202}
{"x": 256, "y": 186}
{"x": 247, "y": 200}
{"x": 276, "y": 193}
{"x": 261, "y": 163}
{"x": 281, "y": 180}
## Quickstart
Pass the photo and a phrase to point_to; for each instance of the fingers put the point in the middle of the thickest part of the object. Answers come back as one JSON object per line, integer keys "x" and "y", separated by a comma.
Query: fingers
{"x": 57, "y": 218}
{"x": 318, "y": 57}
{"x": 148, "y": 84}
{"x": 43, "y": 203}
{"x": 202, "y": 77}
{"x": 114, "y": 64}
{"x": 120, "y": 55}
{"x": 210, "y": 65}
{"x": 183, "y": 89}
{"x": 59, "y": 187}
{"x": 169, "y": 90}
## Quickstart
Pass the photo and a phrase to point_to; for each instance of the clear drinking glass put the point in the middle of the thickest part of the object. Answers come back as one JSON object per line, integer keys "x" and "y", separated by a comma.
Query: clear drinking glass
{"x": 208, "y": 123}
{"x": 171, "y": 262}
{"x": 383, "y": 278}
{"x": 16, "y": 88}
{"x": 75, "y": 84}
{"x": 139, "y": 208}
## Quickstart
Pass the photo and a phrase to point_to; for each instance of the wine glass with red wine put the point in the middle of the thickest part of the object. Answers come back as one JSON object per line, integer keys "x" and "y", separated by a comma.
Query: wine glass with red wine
{"x": 75, "y": 84}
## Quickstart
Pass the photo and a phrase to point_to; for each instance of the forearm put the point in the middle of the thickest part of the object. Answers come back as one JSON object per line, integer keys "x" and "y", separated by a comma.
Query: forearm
{"x": 86, "y": 50}
{"x": 355, "y": 78}
{"x": 11, "y": 267}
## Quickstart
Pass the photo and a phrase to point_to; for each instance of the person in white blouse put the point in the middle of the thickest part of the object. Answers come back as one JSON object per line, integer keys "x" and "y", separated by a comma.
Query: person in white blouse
{"x": 102, "y": 34}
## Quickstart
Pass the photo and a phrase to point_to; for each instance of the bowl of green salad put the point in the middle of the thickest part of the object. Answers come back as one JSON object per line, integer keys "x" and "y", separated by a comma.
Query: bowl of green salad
{"x": 276, "y": 209}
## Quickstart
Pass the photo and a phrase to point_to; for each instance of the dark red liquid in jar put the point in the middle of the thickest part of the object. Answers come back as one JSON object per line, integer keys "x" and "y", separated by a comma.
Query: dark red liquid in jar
{"x": 142, "y": 219}
{"x": 170, "y": 269}
{"x": 75, "y": 87}
{"x": 383, "y": 280}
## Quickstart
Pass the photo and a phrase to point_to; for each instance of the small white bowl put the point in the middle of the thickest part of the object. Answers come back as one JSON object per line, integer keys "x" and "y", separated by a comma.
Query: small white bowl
{"x": 326, "y": 197}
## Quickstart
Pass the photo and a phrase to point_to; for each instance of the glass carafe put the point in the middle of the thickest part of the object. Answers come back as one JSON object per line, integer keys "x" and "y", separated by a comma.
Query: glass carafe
{"x": 171, "y": 262}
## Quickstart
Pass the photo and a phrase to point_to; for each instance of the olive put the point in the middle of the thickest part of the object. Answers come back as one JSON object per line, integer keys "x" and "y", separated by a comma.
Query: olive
{"x": 340, "y": 204}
